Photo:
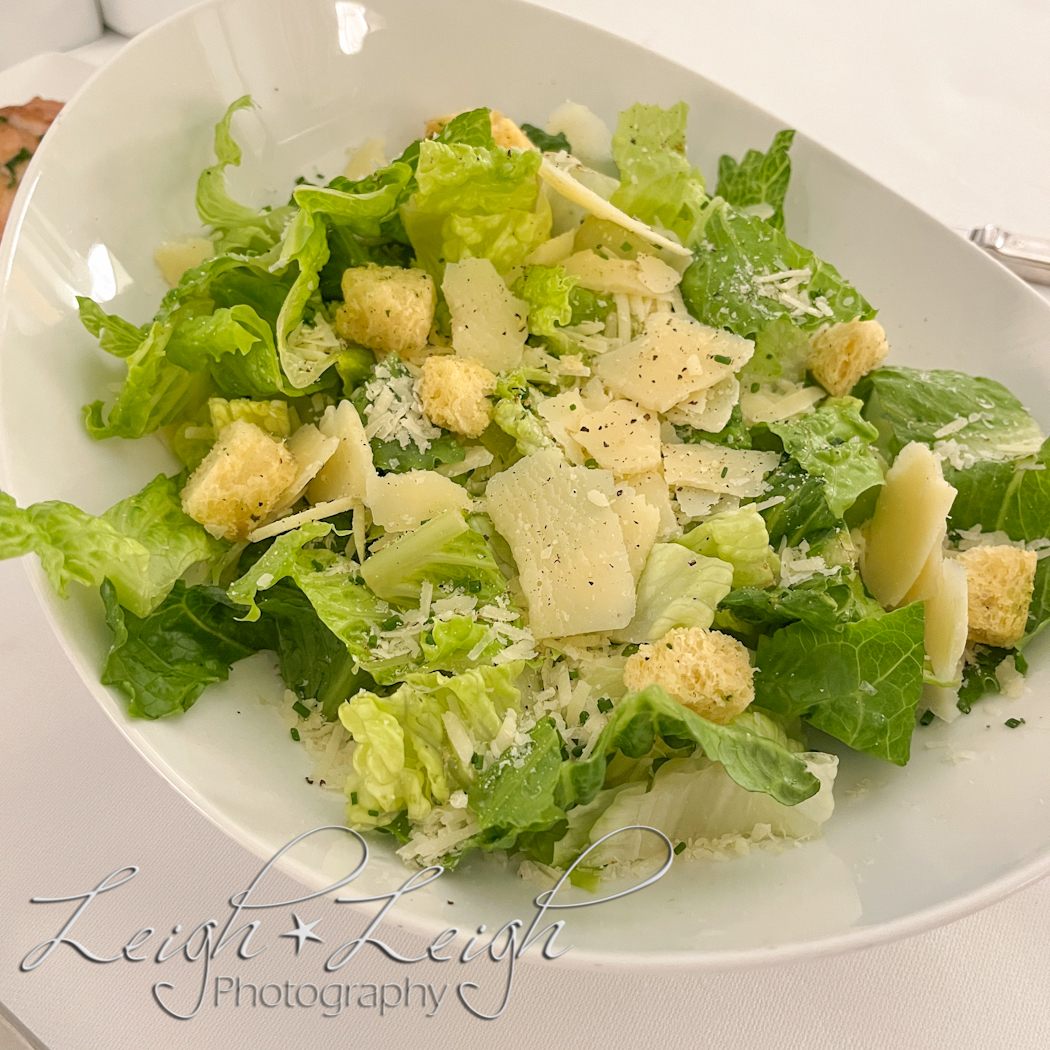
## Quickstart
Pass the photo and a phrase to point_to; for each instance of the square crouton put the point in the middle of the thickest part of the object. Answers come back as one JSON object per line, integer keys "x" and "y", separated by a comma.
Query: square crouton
{"x": 454, "y": 392}
{"x": 841, "y": 354}
{"x": 239, "y": 481}
{"x": 387, "y": 308}
{"x": 999, "y": 583}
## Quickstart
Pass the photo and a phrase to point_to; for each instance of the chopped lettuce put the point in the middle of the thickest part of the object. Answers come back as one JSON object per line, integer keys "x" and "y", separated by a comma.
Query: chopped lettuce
{"x": 548, "y": 291}
{"x": 415, "y": 746}
{"x": 475, "y": 202}
{"x": 738, "y": 537}
{"x": 658, "y": 185}
{"x": 780, "y": 353}
{"x": 720, "y": 287}
{"x": 546, "y": 143}
{"x": 678, "y": 588}
{"x": 979, "y": 417}
{"x": 860, "y": 682}
{"x": 444, "y": 551}
{"x": 803, "y": 513}
{"x": 759, "y": 183}
{"x": 833, "y": 442}
{"x": 143, "y": 544}
{"x": 115, "y": 335}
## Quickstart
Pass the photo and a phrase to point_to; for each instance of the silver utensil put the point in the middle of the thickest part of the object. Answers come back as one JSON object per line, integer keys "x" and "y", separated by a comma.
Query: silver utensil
{"x": 1028, "y": 257}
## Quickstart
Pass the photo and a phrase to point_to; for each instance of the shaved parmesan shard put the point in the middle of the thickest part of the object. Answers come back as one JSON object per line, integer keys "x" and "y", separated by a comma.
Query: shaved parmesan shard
{"x": 708, "y": 410}
{"x": 347, "y": 472}
{"x": 573, "y": 563}
{"x": 562, "y": 415}
{"x": 946, "y": 622}
{"x": 652, "y": 486}
{"x": 569, "y": 188}
{"x": 645, "y": 276}
{"x": 554, "y": 251}
{"x": 640, "y": 523}
{"x": 674, "y": 357}
{"x": 908, "y": 526}
{"x": 312, "y": 450}
{"x": 714, "y": 468}
{"x": 622, "y": 437}
{"x": 489, "y": 323}
{"x": 317, "y": 512}
{"x": 765, "y": 406}
{"x": 404, "y": 501}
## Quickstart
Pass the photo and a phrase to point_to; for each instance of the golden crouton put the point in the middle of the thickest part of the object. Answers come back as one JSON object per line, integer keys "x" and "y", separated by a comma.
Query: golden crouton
{"x": 706, "y": 671}
{"x": 239, "y": 481}
{"x": 387, "y": 308}
{"x": 999, "y": 583}
{"x": 506, "y": 133}
{"x": 454, "y": 392}
{"x": 841, "y": 354}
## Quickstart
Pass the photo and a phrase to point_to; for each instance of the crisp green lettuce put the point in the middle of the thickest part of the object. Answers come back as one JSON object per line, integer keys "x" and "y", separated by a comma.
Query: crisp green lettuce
{"x": 475, "y": 202}
{"x": 143, "y": 543}
{"x": 738, "y": 537}
{"x": 860, "y": 682}
{"x": 548, "y": 291}
{"x": 759, "y": 183}
{"x": 780, "y": 353}
{"x": 546, "y": 143}
{"x": 405, "y": 757}
{"x": 804, "y": 513}
{"x": 115, "y": 335}
{"x": 678, "y": 588}
{"x": 985, "y": 420}
{"x": 753, "y": 760}
{"x": 236, "y": 226}
{"x": 719, "y": 287}
{"x": 833, "y": 442}
{"x": 657, "y": 182}
{"x": 445, "y": 551}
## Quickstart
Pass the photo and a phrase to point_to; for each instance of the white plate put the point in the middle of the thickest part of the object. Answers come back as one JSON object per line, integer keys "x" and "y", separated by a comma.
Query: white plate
{"x": 906, "y": 849}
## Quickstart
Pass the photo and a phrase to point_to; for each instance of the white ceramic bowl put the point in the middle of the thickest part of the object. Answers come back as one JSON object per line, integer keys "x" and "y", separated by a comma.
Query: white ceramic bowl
{"x": 906, "y": 849}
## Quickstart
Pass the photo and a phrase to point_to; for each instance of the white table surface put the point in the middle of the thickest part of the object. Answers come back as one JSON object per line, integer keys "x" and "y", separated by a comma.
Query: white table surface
{"x": 947, "y": 103}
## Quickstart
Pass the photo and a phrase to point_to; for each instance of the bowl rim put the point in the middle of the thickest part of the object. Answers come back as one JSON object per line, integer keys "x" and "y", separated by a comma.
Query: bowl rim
{"x": 863, "y": 937}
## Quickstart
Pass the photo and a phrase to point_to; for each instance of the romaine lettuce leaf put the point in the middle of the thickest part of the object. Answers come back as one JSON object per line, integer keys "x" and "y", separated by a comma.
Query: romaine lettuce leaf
{"x": 236, "y": 226}
{"x": 657, "y": 182}
{"x": 985, "y": 420}
{"x": 405, "y": 758}
{"x": 546, "y": 143}
{"x": 979, "y": 677}
{"x": 1012, "y": 497}
{"x": 115, "y": 335}
{"x": 804, "y": 513}
{"x": 475, "y": 202}
{"x": 738, "y": 537}
{"x": 548, "y": 291}
{"x": 143, "y": 543}
{"x": 155, "y": 392}
{"x": 754, "y": 761}
{"x": 719, "y": 287}
{"x": 833, "y": 442}
{"x": 860, "y": 682}
{"x": 760, "y": 179}
{"x": 444, "y": 551}
{"x": 780, "y": 353}
{"x": 678, "y": 588}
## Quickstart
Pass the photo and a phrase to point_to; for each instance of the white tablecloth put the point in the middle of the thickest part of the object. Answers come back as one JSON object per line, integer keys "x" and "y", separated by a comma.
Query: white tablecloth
{"x": 947, "y": 103}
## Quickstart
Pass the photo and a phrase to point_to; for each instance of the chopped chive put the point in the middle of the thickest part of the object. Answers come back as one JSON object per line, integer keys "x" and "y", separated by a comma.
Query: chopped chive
{"x": 473, "y": 586}
{"x": 678, "y": 849}
{"x": 373, "y": 812}
{"x": 577, "y": 751}
{"x": 301, "y": 709}
{"x": 592, "y": 463}
{"x": 605, "y": 705}
{"x": 584, "y": 715}
{"x": 927, "y": 718}
{"x": 626, "y": 246}
{"x": 295, "y": 734}
{"x": 1013, "y": 723}
{"x": 630, "y": 650}
{"x": 755, "y": 387}
{"x": 353, "y": 798}
{"x": 723, "y": 360}
{"x": 477, "y": 761}
{"x": 725, "y": 471}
